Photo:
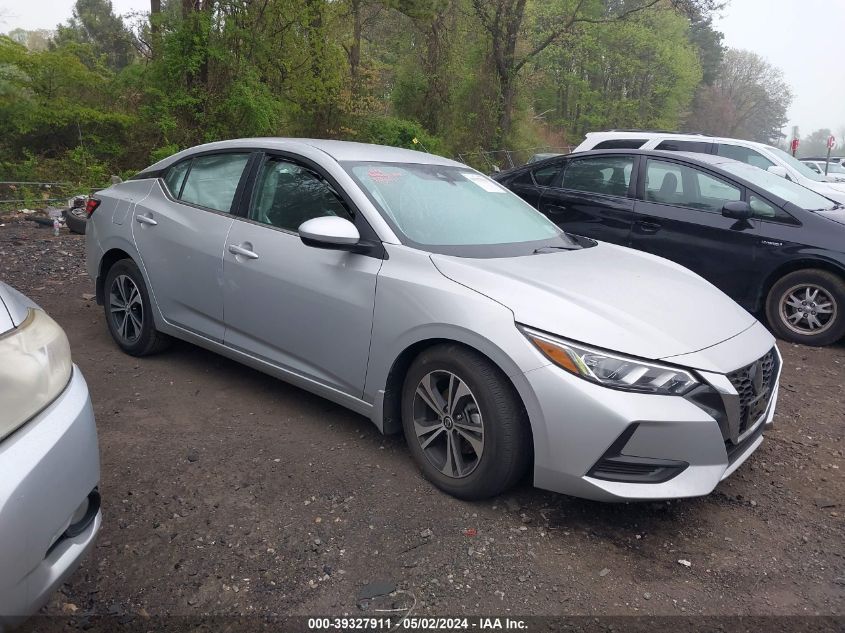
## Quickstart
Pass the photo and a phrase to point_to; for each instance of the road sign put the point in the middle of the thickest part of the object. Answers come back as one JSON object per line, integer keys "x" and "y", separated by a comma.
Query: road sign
{"x": 794, "y": 146}
{"x": 831, "y": 142}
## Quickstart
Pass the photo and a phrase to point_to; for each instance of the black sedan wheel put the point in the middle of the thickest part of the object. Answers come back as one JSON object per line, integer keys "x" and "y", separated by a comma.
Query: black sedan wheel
{"x": 808, "y": 306}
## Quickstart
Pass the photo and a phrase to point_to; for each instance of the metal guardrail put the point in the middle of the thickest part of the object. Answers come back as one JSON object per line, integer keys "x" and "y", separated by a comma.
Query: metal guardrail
{"x": 510, "y": 158}
{"x": 39, "y": 193}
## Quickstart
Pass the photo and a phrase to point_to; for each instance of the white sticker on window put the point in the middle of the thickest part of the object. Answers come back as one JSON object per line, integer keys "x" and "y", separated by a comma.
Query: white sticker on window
{"x": 484, "y": 183}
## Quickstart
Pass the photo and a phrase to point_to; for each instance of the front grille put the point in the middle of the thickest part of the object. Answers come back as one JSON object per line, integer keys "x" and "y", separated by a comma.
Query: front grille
{"x": 755, "y": 384}
{"x": 736, "y": 450}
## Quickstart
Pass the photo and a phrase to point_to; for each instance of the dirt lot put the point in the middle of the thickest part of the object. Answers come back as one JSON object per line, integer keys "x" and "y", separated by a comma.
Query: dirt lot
{"x": 228, "y": 492}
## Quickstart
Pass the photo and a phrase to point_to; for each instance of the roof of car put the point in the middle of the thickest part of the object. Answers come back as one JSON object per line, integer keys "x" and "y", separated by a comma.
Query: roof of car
{"x": 710, "y": 159}
{"x": 339, "y": 150}
{"x": 686, "y": 136}
{"x": 707, "y": 159}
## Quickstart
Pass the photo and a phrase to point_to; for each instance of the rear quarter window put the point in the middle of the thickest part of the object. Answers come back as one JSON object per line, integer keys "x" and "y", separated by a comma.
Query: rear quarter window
{"x": 684, "y": 146}
{"x": 621, "y": 143}
{"x": 175, "y": 177}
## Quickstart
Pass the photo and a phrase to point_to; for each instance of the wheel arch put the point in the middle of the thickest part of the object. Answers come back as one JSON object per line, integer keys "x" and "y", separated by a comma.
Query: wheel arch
{"x": 109, "y": 259}
{"x": 391, "y": 401}
{"x": 804, "y": 263}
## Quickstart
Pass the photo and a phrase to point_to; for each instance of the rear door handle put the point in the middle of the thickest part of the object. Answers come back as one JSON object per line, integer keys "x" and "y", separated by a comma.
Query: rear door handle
{"x": 648, "y": 227}
{"x": 145, "y": 219}
{"x": 242, "y": 251}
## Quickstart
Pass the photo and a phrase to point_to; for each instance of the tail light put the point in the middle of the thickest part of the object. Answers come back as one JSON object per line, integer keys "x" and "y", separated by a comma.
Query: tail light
{"x": 91, "y": 206}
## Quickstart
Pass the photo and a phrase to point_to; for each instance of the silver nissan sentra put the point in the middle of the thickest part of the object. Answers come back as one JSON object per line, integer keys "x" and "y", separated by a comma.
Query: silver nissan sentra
{"x": 418, "y": 292}
{"x": 49, "y": 462}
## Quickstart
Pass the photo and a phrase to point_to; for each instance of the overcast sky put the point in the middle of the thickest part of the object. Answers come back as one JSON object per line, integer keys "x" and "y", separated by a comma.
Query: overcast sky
{"x": 802, "y": 37}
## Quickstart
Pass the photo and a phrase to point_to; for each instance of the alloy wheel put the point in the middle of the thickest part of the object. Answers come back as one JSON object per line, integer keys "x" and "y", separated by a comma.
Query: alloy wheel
{"x": 448, "y": 424}
{"x": 808, "y": 309}
{"x": 126, "y": 309}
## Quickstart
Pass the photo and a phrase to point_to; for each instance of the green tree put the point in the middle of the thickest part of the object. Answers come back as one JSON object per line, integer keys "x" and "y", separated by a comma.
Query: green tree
{"x": 94, "y": 23}
{"x": 749, "y": 99}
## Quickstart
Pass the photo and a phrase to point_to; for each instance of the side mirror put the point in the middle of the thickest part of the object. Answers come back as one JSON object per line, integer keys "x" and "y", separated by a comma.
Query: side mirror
{"x": 737, "y": 210}
{"x": 329, "y": 232}
{"x": 777, "y": 170}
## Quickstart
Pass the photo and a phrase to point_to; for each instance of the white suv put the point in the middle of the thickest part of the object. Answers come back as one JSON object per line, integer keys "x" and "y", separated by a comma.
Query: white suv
{"x": 758, "y": 154}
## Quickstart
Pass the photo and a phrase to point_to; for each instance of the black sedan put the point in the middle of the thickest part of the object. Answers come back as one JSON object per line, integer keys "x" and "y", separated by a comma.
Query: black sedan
{"x": 768, "y": 243}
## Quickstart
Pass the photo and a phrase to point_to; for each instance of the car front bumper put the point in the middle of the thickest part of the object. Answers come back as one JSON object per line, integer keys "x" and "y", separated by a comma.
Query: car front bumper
{"x": 49, "y": 469}
{"x": 578, "y": 425}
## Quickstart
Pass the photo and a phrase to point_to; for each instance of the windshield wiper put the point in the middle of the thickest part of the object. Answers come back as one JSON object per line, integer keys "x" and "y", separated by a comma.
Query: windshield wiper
{"x": 546, "y": 249}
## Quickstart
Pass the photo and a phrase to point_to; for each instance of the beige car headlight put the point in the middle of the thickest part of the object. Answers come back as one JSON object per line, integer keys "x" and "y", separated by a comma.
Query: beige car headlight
{"x": 35, "y": 367}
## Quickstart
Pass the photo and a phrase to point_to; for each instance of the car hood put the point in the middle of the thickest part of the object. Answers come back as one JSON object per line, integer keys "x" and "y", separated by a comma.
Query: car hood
{"x": 833, "y": 190}
{"x": 608, "y": 296}
{"x": 837, "y": 214}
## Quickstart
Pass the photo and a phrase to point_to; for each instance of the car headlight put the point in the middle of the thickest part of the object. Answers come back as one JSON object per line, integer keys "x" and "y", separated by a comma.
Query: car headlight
{"x": 613, "y": 370}
{"x": 35, "y": 368}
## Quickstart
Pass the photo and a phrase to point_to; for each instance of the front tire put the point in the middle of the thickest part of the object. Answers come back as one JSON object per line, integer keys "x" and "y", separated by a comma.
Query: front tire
{"x": 128, "y": 313}
{"x": 464, "y": 423}
{"x": 808, "y": 307}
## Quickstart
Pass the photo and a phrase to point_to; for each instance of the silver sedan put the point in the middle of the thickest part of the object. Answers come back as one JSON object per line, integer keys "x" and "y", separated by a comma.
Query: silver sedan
{"x": 418, "y": 292}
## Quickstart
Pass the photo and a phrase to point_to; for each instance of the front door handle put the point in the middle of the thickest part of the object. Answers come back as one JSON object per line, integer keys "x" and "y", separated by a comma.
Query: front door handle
{"x": 648, "y": 227}
{"x": 556, "y": 209}
{"x": 243, "y": 250}
{"x": 145, "y": 219}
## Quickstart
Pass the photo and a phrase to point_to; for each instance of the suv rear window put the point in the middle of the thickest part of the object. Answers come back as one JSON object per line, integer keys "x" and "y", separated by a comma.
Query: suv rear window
{"x": 621, "y": 143}
{"x": 684, "y": 146}
{"x": 745, "y": 155}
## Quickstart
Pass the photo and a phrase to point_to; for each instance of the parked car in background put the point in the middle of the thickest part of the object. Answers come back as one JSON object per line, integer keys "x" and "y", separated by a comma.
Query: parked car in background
{"x": 822, "y": 159}
{"x": 770, "y": 244}
{"x": 835, "y": 171}
{"x": 760, "y": 155}
{"x": 49, "y": 461}
{"x": 536, "y": 158}
{"x": 418, "y": 292}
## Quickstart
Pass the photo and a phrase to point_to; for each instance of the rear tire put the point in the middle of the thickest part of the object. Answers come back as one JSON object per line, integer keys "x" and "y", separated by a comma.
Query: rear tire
{"x": 464, "y": 423}
{"x": 807, "y": 307}
{"x": 129, "y": 316}
{"x": 76, "y": 220}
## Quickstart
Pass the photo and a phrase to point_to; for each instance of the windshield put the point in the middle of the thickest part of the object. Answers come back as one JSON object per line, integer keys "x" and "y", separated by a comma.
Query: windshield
{"x": 832, "y": 168}
{"x": 796, "y": 164}
{"x": 781, "y": 187}
{"x": 454, "y": 210}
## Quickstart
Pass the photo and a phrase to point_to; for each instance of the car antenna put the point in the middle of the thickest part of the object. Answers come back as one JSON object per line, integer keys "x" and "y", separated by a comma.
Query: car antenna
{"x": 416, "y": 141}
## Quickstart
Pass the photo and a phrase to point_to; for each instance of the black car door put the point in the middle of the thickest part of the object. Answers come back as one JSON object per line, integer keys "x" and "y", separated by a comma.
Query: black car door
{"x": 678, "y": 216}
{"x": 594, "y": 197}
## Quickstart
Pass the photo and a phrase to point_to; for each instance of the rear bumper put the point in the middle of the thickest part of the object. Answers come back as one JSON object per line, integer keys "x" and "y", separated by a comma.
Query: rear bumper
{"x": 48, "y": 469}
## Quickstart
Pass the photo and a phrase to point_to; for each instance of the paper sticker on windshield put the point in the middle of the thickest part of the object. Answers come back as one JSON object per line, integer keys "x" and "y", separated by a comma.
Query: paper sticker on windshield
{"x": 484, "y": 183}
{"x": 383, "y": 177}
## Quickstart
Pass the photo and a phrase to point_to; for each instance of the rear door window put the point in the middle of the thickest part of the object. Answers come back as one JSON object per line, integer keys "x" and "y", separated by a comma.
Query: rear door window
{"x": 213, "y": 179}
{"x": 743, "y": 155}
{"x": 609, "y": 175}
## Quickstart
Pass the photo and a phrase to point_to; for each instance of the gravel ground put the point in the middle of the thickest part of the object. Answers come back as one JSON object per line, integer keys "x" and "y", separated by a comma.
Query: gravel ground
{"x": 229, "y": 492}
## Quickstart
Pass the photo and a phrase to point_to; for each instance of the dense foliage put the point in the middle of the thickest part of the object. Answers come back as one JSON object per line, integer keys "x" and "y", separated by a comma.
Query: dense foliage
{"x": 106, "y": 94}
